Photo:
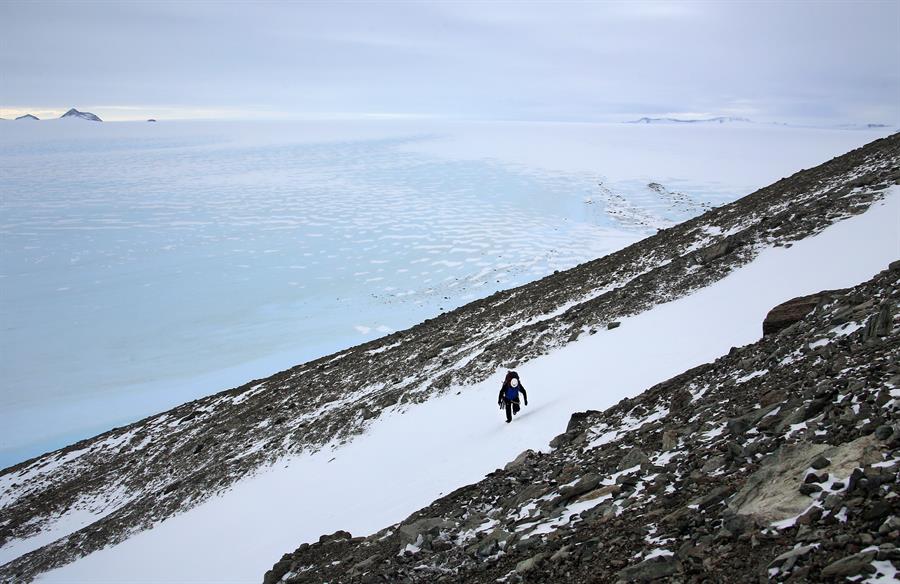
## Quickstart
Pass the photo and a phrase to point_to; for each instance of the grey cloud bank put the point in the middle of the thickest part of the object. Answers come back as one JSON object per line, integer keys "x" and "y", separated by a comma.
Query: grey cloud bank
{"x": 832, "y": 62}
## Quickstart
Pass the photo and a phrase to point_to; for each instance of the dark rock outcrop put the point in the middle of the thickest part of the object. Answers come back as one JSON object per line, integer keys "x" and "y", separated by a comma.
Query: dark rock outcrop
{"x": 28, "y": 117}
{"x": 790, "y": 312}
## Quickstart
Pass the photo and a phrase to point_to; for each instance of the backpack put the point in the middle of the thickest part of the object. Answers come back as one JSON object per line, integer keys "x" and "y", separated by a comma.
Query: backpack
{"x": 511, "y": 393}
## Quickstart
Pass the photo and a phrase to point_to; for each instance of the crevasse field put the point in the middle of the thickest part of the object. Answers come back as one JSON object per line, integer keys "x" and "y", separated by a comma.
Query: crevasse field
{"x": 144, "y": 265}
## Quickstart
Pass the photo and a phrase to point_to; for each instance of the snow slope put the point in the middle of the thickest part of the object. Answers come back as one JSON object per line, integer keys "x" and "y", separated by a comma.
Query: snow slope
{"x": 408, "y": 458}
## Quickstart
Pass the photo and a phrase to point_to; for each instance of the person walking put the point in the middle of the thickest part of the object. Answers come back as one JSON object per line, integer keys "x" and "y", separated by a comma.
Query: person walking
{"x": 509, "y": 395}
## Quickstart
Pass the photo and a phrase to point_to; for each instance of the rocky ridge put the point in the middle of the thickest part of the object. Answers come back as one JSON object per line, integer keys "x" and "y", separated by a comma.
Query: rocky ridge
{"x": 778, "y": 462}
{"x": 131, "y": 477}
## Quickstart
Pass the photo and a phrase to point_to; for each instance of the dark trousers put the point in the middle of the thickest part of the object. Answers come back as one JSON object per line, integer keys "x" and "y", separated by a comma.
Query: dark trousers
{"x": 512, "y": 408}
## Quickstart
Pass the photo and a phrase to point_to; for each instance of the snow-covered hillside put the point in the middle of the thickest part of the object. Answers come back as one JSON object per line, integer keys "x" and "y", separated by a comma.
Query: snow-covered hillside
{"x": 360, "y": 439}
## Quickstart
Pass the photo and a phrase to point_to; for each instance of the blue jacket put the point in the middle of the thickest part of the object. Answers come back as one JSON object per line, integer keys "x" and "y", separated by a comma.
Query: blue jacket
{"x": 511, "y": 394}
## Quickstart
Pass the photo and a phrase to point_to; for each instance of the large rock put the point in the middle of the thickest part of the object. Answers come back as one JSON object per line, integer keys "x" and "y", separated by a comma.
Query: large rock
{"x": 851, "y": 565}
{"x": 772, "y": 492}
{"x": 879, "y": 325}
{"x": 649, "y": 570}
{"x": 530, "y": 564}
{"x": 794, "y": 553}
{"x": 429, "y": 526}
{"x": 575, "y": 421}
{"x": 790, "y": 312}
{"x": 681, "y": 397}
{"x": 716, "y": 251}
{"x": 519, "y": 460}
{"x": 670, "y": 439}
{"x": 635, "y": 457}
{"x": 587, "y": 483}
{"x": 336, "y": 536}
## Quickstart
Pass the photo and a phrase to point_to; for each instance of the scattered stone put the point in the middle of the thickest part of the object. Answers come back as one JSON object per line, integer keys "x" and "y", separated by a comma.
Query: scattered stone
{"x": 519, "y": 460}
{"x": 669, "y": 440}
{"x": 790, "y": 312}
{"x": 820, "y": 462}
{"x": 427, "y": 527}
{"x": 877, "y": 511}
{"x": 587, "y": 483}
{"x": 884, "y": 432}
{"x": 680, "y": 399}
{"x": 815, "y": 478}
{"x": 336, "y": 536}
{"x": 809, "y": 488}
{"x": 791, "y": 555}
{"x": 649, "y": 570}
{"x": 635, "y": 457}
{"x": 529, "y": 565}
{"x": 890, "y": 524}
{"x": 860, "y": 563}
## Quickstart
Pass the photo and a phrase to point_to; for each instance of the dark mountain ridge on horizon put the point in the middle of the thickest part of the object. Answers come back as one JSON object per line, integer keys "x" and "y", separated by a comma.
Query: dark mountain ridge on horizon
{"x": 732, "y": 119}
{"x": 74, "y": 113}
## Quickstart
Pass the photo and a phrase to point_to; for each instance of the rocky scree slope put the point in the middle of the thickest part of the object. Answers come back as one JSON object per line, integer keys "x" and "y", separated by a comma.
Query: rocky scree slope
{"x": 132, "y": 477}
{"x": 778, "y": 462}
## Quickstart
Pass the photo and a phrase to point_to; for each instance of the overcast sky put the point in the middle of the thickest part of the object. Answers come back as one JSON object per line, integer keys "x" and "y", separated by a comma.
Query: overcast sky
{"x": 803, "y": 61}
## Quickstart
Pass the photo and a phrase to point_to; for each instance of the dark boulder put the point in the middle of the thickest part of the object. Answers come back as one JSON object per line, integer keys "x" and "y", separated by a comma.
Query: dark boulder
{"x": 649, "y": 570}
{"x": 576, "y": 420}
{"x": 716, "y": 251}
{"x": 336, "y": 536}
{"x": 790, "y": 312}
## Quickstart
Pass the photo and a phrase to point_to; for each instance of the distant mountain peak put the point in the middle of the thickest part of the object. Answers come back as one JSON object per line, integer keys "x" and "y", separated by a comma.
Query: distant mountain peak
{"x": 718, "y": 119}
{"x": 74, "y": 113}
{"x": 28, "y": 117}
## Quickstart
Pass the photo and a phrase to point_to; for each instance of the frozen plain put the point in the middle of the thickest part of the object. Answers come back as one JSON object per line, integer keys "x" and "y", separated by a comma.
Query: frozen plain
{"x": 144, "y": 265}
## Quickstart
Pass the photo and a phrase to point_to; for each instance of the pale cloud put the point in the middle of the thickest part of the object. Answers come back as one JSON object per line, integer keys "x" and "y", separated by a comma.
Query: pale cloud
{"x": 10, "y": 113}
{"x": 832, "y": 61}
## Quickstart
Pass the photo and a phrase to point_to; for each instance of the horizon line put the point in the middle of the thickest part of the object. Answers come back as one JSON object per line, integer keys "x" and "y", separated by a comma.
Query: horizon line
{"x": 177, "y": 113}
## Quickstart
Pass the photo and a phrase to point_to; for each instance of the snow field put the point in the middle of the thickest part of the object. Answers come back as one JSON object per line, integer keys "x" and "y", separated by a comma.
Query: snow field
{"x": 408, "y": 458}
